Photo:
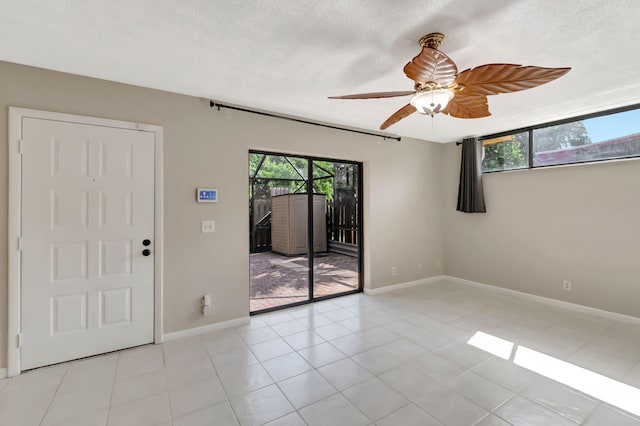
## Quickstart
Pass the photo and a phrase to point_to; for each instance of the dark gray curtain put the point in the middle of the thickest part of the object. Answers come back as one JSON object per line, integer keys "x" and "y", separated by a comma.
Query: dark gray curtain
{"x": 470, "y": 194}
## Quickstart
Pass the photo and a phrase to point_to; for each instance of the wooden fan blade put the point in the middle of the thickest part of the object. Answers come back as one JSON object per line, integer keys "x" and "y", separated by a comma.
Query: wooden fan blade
{"x": 375, "y": 95}
{"x": 467, "y": 106}
{"x": 403, "y": 112}
{"x": 492, "y": 79}
{"x": 431, "y": 65}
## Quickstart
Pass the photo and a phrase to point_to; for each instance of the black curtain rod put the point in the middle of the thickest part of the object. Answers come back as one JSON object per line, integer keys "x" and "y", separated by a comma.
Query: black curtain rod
{"x": 214, "y": 104}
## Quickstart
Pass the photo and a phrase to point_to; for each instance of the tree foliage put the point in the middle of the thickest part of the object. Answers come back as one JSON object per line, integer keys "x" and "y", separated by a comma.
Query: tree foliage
{"x": 275, "y": 171}
{"x": 561, "y": 136}
{"x": 514, "y": 153}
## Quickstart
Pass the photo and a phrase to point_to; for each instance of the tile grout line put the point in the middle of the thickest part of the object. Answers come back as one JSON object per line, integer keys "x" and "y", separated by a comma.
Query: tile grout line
{"x": 313, "y": 368}
{"x": 227, "y": 399}
{"x": 113, "y": 385}
{"x": 166, "y": 380}
{"x": 54, "y": 395}
{"x": 598, "y": 405}
{"x": 590, "y": 340}
{"x": 520, "y": 394}
{"x": 275, "y": 382}
{"x": 189, "y": 384}
{"x": 356, "y": 407}
{"x": 233, "y": 410}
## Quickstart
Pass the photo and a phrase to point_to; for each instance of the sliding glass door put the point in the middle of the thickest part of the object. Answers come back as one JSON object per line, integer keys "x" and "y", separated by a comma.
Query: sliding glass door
{"x": 336, "y": 260}
{"x": 304, "y": 245}
{"x": 279, "y": 258}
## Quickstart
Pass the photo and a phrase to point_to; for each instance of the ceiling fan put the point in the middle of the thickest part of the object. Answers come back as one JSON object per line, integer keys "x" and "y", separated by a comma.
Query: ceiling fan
{"x": 439, "y": 88}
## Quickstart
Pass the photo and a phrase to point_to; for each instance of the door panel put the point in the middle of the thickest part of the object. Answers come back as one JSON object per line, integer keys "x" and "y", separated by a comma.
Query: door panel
{"x": 69, "y": 313}
{"x": 115, "y": 307}
{"x": 336, "y": 264}
{"x": 279, "y": 260}
{"x": 87, "y": 205}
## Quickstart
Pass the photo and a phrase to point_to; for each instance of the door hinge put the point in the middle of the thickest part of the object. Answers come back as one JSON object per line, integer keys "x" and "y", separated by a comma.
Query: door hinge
{"x": 19, "y": 340}
{"x": 19, "y": 243}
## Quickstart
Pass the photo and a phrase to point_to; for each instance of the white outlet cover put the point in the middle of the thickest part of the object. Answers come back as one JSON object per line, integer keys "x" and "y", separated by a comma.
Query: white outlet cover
{"x": 208, "y": 226}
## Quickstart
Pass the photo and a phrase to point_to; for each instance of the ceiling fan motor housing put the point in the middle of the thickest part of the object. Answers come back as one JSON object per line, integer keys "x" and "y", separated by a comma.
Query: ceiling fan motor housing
{"x": 432, "y": 40}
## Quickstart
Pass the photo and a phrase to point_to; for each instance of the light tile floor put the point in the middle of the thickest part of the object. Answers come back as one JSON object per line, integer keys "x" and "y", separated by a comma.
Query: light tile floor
{"x": 402, "y": 358}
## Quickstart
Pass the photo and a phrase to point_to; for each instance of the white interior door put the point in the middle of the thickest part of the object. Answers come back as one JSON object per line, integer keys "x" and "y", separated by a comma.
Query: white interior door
{"x": 87, "y": 207}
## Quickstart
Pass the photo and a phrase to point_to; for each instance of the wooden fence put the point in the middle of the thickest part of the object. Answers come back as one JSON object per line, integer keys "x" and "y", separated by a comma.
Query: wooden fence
{"x": 342, "y": 220}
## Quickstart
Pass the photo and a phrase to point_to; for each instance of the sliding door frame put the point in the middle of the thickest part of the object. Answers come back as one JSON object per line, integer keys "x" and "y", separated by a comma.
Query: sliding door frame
{"x": 310, "y": 222}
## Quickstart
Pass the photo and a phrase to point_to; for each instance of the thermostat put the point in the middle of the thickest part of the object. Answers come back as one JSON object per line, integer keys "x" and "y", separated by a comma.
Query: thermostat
{"x": 207, "y": 195}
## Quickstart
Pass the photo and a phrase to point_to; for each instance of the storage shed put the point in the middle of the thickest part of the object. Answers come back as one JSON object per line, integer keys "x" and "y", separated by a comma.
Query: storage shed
{"x": 289, "y": 223}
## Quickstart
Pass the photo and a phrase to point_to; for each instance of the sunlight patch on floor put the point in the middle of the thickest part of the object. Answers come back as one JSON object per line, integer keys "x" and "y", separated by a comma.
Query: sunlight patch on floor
{"x": 586, "y": 381}
{"x": 492, "y": 344}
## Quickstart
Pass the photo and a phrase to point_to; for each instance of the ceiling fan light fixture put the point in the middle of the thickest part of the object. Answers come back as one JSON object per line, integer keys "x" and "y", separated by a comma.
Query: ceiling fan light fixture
{"x": 440, "y": 88}
{"x": 430, "y": 102}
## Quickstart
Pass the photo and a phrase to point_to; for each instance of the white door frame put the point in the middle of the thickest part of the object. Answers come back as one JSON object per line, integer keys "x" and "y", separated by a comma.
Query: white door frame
{"x": 15, "y": 214}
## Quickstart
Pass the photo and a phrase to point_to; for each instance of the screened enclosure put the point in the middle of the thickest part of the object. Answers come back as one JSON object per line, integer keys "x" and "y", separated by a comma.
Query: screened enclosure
{"x": 305, "y": 229}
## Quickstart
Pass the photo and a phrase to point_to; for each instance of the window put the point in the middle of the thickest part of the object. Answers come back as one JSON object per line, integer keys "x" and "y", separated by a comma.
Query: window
{"x": 507, "y": 152}
{"x": 606, "y": 136}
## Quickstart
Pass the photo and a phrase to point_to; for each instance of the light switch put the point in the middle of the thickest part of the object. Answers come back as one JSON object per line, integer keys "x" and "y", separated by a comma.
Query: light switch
{"x": 208, "y": 226}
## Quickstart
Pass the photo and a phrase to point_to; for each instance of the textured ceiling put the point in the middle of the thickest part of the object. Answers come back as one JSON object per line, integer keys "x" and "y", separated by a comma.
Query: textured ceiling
{"x": 287, "y": 56}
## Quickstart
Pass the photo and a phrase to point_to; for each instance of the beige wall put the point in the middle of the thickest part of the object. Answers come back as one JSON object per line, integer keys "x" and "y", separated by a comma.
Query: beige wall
{"x": 204, "y": 147}
{"x": 577, "y": 223}
{"x": 580, "y": 223}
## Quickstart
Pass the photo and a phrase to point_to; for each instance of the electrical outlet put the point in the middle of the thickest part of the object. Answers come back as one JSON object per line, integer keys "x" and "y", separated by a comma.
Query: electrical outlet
{"x": 439, "y": 263}
{"x": 566, "y": 285}
{"x": 394, "y": 271}
{"x": 208, "y": 226}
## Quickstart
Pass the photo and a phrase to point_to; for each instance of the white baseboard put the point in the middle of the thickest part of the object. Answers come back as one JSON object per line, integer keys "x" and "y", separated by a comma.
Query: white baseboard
{"x": 547, "y": 301}
{"x": 205, "y": 329}
{"x": 425, "y": 281}
{"x": 3, "y": 373}
{"x": 387, "y": 288}
{"x": 515, "y": 293}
